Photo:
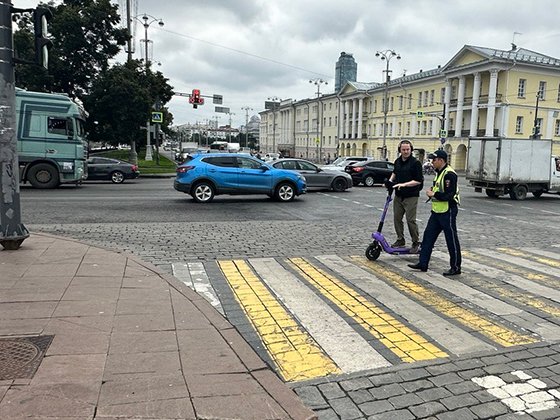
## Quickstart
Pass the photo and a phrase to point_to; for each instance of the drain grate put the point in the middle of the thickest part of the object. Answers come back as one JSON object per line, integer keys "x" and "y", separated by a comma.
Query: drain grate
{"x": 20, "y": 357}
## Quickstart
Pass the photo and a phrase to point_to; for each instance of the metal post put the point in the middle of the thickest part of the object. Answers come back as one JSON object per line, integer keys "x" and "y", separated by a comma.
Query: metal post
{"x": 247, "y": 109}
{"x": 12, "y": 231}
{"x": 386, "y": 55}
{"x": 536, "y": 131}
{"x": 128, "y": 27}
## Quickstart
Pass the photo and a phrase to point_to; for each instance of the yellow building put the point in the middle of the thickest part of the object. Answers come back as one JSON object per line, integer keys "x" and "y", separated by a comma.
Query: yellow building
{"x": 479, "y": 92}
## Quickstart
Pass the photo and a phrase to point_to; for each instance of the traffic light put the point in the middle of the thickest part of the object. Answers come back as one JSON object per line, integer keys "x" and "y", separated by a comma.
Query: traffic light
{"x": 195, "y": 98}
{"x": 41, "y": 17}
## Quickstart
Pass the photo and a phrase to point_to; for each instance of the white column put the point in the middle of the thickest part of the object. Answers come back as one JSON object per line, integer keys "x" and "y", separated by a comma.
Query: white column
{"x": 353, "y": 131}
{"x": 475, "y": 98}
{"x": 447, "y": 103}
{"x": 491, "y": 111}
{"x": 340, "y": 121}
{"x": 460, "y": 103}
{"x": 347, "y": 122}
{"x": 360, "y": 116}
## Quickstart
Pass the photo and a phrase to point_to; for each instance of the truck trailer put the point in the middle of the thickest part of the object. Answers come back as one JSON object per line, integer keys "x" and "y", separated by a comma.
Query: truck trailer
{"x": 512, "y": 166}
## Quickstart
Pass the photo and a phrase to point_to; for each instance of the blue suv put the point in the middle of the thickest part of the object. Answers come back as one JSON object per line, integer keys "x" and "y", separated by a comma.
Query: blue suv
{"x": 210, "y": 174}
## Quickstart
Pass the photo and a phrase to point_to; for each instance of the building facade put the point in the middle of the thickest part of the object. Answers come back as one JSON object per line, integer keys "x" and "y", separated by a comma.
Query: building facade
{"x": 346, "y": 70}
{"x": 479, "y": 92}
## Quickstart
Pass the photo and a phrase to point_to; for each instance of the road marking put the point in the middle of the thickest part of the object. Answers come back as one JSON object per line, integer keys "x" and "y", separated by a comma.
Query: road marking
{"x": 489, "y": 328}
{"x": 194, "y": 276}
{"x": 407, "y": 344}
{"x": 545, "y": 253}
{"x": 527, "y": 208}
{"x": 450, "y": 336}
{"x": 552, "y": 262}
{"x": 295, "y": 352}
{"x": 523, "y": 262}
{"x": 495, "y": 261}
{"x": 524, "y": 397}
{"x": 551, "y": 212}
{"x": 350, "y": 351}
{"x": 507, "y": 277}
{"x": 481, "y": 213}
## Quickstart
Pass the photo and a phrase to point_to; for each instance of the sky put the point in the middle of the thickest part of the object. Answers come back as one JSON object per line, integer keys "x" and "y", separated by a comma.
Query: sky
{"x": 251, "y": 50}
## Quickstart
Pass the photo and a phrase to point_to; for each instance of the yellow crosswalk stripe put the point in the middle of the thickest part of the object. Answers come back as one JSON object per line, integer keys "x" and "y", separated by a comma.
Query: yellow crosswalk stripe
{"x": 407, "y": 344}
{"x": 524, "y": 298}
{"x": 543, "y": 260}
{"x": 494, "y": 331}
{"x": 294, "y": 351}
{"x": 511, "y": 268}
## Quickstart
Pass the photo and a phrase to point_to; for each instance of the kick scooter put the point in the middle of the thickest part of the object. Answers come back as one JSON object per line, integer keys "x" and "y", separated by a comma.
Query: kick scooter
{"x": 379, "y": 242}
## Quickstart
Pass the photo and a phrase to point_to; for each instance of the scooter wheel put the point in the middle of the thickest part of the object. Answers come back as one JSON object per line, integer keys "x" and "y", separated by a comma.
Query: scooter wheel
{"x": 373, "y": 251}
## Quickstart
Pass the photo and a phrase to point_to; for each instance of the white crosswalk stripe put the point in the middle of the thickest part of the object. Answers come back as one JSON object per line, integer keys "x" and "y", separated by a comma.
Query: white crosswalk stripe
{"x": 523, "y": 262}
{"x": 193, "y": 275}
{"x": 340, "y": 341}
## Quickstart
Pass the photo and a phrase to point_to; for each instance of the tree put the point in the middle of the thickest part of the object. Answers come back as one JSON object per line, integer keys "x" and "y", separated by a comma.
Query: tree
{"x": 85, "y": 37}
{"x": 121, "y": 101}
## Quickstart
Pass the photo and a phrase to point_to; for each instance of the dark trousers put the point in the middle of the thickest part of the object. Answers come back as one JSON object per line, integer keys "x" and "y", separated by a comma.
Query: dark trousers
{"x": 438, "y": 222}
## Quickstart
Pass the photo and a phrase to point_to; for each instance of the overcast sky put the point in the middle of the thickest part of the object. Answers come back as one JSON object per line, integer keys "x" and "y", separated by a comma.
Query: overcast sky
{"x": 250, "y": 50}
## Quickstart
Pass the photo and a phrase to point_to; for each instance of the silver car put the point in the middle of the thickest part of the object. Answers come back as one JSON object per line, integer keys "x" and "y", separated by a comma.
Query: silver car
{"x": 317, "y": 178}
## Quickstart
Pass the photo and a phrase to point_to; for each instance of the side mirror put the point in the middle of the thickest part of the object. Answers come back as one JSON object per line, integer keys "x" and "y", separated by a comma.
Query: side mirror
{"x": 264, "y": 168}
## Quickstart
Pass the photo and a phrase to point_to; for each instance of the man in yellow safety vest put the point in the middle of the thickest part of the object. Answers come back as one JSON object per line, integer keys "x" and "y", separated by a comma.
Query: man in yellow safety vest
{"x": 445, "y": 199}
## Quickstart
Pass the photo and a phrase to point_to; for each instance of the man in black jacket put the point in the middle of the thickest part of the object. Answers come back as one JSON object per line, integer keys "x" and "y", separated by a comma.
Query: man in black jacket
{"x": 408, "y": 180}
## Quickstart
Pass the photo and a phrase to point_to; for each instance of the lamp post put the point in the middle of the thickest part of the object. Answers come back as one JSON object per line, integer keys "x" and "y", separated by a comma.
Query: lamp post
{"x": 146, "y": 23}
{"x": 276, "y": 101}
{"x": 386, "y": 55}
{"x": 229, "y": 128}
{"x": 246, "y": 109}
{"x": 319, "y": 141}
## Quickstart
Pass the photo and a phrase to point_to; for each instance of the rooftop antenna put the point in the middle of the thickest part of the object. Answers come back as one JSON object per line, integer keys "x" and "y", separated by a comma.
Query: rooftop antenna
{"x": 513, "y": 46}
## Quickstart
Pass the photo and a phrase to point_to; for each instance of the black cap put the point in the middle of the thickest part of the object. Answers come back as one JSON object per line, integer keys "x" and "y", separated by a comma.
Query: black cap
{"x": 442, "y": 154}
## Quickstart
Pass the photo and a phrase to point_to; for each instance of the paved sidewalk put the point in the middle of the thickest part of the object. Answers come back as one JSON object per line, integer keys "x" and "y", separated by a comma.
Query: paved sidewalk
{"x": 127, "y": 342}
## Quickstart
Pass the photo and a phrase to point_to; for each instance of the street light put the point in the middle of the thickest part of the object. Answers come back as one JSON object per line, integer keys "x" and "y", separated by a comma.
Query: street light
{"x": 246, "y": 109}
{"x": 319, "y": 141}
{"x": 229, "y": 129}
{"x": 276, "y": 100}
{"x": 146, "y": 23}
{"x": 386, "y": 55}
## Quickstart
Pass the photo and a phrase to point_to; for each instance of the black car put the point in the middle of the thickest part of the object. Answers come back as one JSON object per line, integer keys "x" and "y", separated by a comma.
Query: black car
{"x": 110, "y": 169}
{"x": 370, "y": 172}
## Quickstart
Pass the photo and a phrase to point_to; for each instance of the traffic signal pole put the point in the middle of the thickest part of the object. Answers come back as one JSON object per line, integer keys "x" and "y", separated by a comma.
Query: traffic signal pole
{"x": 12, "y": 231}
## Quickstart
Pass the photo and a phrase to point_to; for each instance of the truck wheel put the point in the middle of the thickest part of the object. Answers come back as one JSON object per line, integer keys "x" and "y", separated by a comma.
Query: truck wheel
{"x": 518, "y": 192}
{"x": 43, "y": 176}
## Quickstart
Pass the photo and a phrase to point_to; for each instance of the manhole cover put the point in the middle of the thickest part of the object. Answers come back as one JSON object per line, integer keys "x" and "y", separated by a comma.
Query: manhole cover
{"x": 20, "y": 357}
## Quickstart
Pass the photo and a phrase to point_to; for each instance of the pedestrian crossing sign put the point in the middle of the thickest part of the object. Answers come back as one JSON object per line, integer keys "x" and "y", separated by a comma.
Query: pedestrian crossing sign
{"x": 157, "y": 117}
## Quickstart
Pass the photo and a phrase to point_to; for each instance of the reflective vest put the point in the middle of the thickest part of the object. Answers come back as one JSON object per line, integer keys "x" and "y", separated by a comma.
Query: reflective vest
{"x": 439, "y": 185}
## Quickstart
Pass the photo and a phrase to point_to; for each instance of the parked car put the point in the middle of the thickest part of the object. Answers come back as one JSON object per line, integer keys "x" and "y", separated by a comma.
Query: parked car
{"x": 211, "y": 174}
{"x": 340, "y": 163}
{"x": 316, "y": 177}
{"x": 271, "y": 157}
{"x": 370, "y": 172}
{"x": 110, "y": 169}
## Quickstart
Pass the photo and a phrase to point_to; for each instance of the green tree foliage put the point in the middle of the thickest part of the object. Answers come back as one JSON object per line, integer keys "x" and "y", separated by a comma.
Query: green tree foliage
{"x": 121, "y": 101}
{"x": 85, "y": 37}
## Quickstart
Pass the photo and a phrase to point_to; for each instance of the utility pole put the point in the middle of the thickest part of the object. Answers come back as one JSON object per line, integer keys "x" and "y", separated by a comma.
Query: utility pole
{"x": 246, "y": 109}
{"x": 12, "y": 231}
{"x": 229, "y": 129}
{"x": 386, "y": 55}
{"x": 319, "y": 140}
{"x": 536, "y": 130}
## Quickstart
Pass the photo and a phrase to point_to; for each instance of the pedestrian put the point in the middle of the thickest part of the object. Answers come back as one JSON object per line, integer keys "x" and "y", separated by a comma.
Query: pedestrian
{"x": 445, "y": 199}
{"x": 407, "y": 181}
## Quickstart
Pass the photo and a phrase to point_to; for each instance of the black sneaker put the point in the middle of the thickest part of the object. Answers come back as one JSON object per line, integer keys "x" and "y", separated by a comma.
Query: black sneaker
{"x": 452, "y": 272}
{"x": 415, "y": 248}
{"x": 418, "y": 267}
{"x": 399, "y": 243}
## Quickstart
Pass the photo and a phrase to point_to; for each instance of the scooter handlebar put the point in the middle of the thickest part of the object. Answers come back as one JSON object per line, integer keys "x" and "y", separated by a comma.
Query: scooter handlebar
{"x": 389, "y": 185}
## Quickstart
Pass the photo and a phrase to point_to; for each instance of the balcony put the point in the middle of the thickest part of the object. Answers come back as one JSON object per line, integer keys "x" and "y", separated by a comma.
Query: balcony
{"x": 483, "y": 99}
{"x": 481, "y": 132}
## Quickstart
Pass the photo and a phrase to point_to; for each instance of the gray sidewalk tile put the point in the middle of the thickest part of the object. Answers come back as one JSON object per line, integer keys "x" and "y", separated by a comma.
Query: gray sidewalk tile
{"x": 142, "y": 365}
{"x": 62, "y": 369}
{"x": 143, "y": 342}
{"x": 427, "y": 409}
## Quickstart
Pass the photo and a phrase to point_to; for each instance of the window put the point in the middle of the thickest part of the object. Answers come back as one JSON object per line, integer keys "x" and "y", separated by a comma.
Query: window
{"x": 454, "y": 92}
{"x": 419, "y": 99}
{"x": 538, "y": 126}
{"x": 375, "y": 106}
{"x": 288, "y": 164}
{"x": 305, "y": 166}
{"x": 399, "y": 128}
{"x": 330, "y": 121}
{"x": 521, "y": 88}
{"x": 390, "y": 129}
{"x": 229, "y": 162}
{"x": 558, "y": 98}
{"x": 442, "y": 95}
{"x": 542, "y": 90}
{"x": 424, "y": 127}
{"x": 557, "y": 128}
{"x": 60, "y": 126}
{"x": 391, "y": 103}
{"x": 409, "y": 101}
{"x": 519, "y": 125}
{"x": 408, "y": 128}
{"x": 432, "y": 96}
{"x": 401, "y": 101}
{"x": 430, "y": 127}
{"x": 426, "y": 98}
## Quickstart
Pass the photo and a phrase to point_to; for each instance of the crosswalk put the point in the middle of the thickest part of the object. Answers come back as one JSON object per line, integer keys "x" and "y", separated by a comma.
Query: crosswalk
{"x": 311, "y": 317}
